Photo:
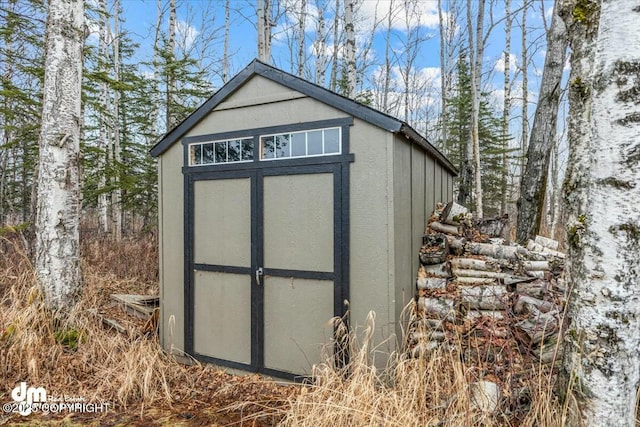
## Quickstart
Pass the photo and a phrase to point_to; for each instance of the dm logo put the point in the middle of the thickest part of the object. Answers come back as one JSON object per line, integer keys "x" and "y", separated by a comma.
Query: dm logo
{"x": 28, "y": 396}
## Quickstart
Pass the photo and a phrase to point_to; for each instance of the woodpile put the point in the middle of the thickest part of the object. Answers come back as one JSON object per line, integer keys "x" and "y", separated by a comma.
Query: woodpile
{"x": 501, "y": 304}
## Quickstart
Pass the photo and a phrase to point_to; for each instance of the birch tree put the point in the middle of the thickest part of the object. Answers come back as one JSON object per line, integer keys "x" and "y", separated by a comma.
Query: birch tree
{"x": 602, "y": 191}
{"x": 533, "y": 185}
{"x": 350, "y": 48}
{"x": 333, "y": 78}
{"x": 116, "y": 196}
{"x": 264, "y": 31}
{"x": 225, "y": 52}
{"x": 58, "y": 207}
{"x": 471, "y": 170}
{"x": 506, "y": 106}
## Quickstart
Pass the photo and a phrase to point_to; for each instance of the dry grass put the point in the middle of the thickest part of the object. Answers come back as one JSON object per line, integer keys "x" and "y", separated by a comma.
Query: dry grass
{"x": 432, "y": 391}
{"x": 78, "y": 357}
{"x": 138, "y": 377}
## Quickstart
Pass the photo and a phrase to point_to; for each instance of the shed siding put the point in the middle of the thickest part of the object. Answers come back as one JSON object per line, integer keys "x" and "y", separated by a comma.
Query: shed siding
{"x": 278, "y": 111}
{"x": 437, "y": 183}
{"x": 170, "y": 207}
{"x": 430, "y": 192}
{"x": 403, "y": 224}
{"x": 371, "y": 213}
{"x": 418, "y": 208}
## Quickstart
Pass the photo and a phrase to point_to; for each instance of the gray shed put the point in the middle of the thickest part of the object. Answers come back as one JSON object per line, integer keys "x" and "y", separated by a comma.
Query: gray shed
{"x": 279, "y": 201}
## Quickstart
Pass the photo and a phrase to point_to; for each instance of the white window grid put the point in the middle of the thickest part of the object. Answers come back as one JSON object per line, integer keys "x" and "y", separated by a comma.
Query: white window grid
{"x": 306, "y": 144}
{"x": 200, "y": 146}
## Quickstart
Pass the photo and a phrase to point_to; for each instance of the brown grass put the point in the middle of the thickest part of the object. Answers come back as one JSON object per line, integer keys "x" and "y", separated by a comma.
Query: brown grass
{"x": 147, "y": 385}
{"x": 432, "y": 391}
{"x": 78, "y": 357}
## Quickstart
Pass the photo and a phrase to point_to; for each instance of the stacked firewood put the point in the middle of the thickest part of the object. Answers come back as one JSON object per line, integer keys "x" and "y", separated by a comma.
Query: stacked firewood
{"x": 500, "y": 303}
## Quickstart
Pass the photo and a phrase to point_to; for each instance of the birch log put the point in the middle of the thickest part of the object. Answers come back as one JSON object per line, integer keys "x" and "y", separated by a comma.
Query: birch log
{"x": 445, "y": 228}
{"x": 453, "y": 213}
{"x": 483, "y": 297}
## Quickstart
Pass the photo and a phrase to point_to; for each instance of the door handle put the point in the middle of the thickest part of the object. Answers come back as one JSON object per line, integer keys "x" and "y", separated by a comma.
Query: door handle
{"x": 258, "y": 275}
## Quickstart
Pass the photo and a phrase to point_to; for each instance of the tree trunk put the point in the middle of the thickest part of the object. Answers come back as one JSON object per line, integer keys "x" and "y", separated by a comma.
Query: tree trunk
{"x": 262, "y": 24}
{"x": 602, "y": 190}
{"x": 443, "y": 79}
{"x": 350, "y": 48}
{"x": 116, "y": 196}
{"x": 506, "y": 107}
{"x": 333, "y": 80}
{"x": 476, "y": 73}
{"x": 225, "y": 53}
{"x": 387, "y": 59}
{"x": 321, "y": 45}
{"x": 533, "y": 185}
{"x": 171, "y": 77}
{"x": 103, "y": 138}
{"x": 524, "y": 68}
{"x": 58, "y": 210}
{"x": 301, "y": 42}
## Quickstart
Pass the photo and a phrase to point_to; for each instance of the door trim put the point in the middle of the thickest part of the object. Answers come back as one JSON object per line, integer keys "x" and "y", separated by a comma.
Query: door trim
{"x": 339, "y": 166}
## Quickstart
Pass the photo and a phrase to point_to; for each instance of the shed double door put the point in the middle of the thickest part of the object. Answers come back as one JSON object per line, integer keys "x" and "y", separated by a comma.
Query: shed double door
{"x": 265, "y": 267}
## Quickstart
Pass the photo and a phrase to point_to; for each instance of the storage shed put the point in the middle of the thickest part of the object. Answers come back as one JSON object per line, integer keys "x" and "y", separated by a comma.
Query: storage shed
{"x": 282, "y": 205}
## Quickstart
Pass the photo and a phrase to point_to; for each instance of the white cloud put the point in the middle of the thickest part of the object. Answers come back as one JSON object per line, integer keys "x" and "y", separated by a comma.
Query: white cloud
{"x": 424, "y": 13}
{"x": 513, "y": 64}
{"x": 185, "y": 34}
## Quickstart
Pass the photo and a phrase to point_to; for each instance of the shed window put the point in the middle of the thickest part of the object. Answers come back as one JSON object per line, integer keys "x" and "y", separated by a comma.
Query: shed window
{"x": 229, "y": 151}
{"x": 319, "y": 142}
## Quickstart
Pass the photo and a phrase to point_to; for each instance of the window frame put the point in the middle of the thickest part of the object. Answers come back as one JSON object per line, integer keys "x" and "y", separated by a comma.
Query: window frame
{"x": 261, "y": 157}
{"x": 191, "y": 159}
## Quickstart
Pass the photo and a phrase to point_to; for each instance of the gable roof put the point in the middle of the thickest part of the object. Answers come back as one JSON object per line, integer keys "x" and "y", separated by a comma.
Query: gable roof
{"x": 353, "y": 108}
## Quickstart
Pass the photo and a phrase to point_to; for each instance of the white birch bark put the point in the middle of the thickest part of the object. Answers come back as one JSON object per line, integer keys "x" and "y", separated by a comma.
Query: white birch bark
{"x": 116, "y": 196}
{"x": 443, "y": 73}
{"x": 103, "y": 142}
{"x": 333, "y": 80}
{"x": 58, "y": 209}
{"x": 473, "y": 147}
{"x": 524, "y": 68}
{"x": 171, "y": 78}
{"x": 320, "y": 44}
{"x": 264, "y": 31}
{"x": 225, "y": 53}
{"x": 302, "y": 17}
{"x": 350, "y": 48}
{"x": 602, "y": 191}
{"x": 506, "y": 106}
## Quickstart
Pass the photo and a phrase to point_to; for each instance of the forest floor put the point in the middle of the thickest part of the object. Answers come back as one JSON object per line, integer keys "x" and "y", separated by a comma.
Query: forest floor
{"x": 78, "y": 359}
{"x": 141, "y": 384}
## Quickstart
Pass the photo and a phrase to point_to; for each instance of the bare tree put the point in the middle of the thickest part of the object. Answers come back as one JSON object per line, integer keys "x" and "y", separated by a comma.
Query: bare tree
{"x": 225, "y": 53}
{"x": 524, "y": 68}
{"x": 333, "y": 79}
{"x": 476, "y": 53}
{"x": 350, "y": 48}
{"x": 533, "y": 185}
{"x": 506, "y": 106}
{"x": 58, "y": 207}
{"x": 320, "y": 44}
{"x": 302, "y": 17}
{"x": 264, "y": 30}
{"x": 116, "y": 196}
{"x": 602, "y": 191}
